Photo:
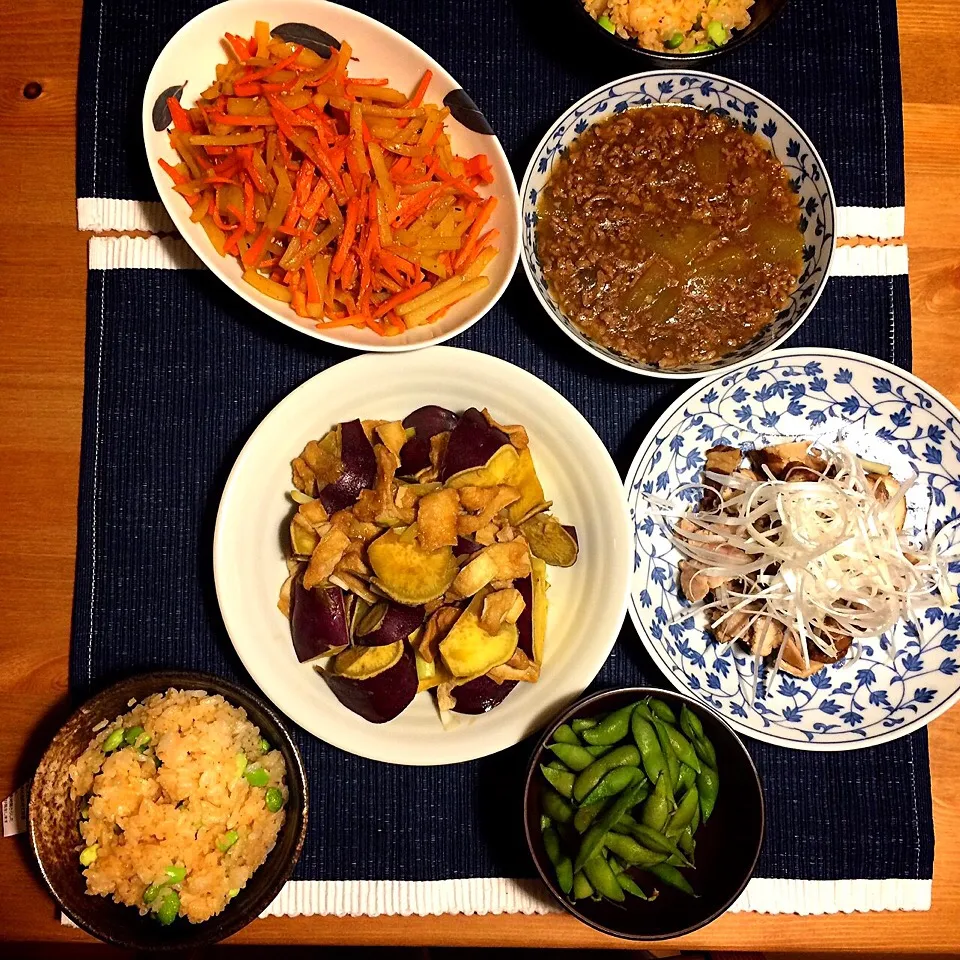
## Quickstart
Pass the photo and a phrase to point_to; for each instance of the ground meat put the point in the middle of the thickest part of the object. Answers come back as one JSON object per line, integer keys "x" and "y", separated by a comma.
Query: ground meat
{"x": 669, "y": 235}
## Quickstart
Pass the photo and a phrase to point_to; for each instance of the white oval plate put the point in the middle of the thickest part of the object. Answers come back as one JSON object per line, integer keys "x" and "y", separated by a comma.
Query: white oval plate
{"x": 191, "y": 56}
{"x": 884, "y": 413}
{"x": 587, "y": 601}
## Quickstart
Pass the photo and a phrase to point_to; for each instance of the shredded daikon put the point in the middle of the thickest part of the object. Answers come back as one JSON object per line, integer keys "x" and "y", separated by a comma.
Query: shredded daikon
{"x": 824, "y": 559}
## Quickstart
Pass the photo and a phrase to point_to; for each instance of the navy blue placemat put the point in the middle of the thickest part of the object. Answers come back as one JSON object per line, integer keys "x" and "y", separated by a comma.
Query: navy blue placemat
{"x": 179, "y": 371}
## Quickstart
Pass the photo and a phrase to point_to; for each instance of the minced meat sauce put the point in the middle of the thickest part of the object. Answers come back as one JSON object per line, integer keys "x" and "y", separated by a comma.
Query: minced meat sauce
{"x": 669, "y": 235}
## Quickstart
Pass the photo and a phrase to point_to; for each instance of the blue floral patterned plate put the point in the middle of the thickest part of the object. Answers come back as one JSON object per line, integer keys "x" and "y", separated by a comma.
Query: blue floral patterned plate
{"x": 899, "y": 683}
{"x": 755, "y": 114}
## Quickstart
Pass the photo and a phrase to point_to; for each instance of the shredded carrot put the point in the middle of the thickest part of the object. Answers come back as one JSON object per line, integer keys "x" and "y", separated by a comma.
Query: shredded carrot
{"x": 338, "y": 196}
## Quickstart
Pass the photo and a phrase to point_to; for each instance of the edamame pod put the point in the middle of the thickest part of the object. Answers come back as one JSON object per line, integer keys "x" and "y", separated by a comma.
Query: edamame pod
{"x": 597, "y": 750}
{"x": 682, "y": 747}
{"x": 564, "y": 734}
{"x": 658, "y": 806}
{"x": 705, "y": 751}
{"x": 593, "y": 839}
{"x": 627, "y": 883}
{"x": 560, "y": 780}
{"x": 581, "y": 886}
{"x": 645, "y": 737}
{"x": 555, "y": 807}
{"x": 612, "y": 729}
{"x": 602, "y": 879}
{"x": 583, "y": 723}
{"x": 690, "y": 724}
{"x": 564, "y": 870}
{"x": 659, "y": 709}
{"x": 656, "y": 841}
{"x": 672, "y": 877}
{"x": 625, "y": 756}
{"x": 708, "y": 786}
{"x": 687, "y": 844}
{"x": 688, "y": 777}
{"x": 585, "y": 815}
{"x": 670, "y": 756}
{"x": 573, "y": 755}
{"x": 632, "y": 852}
{"x": 684, "y": 813}
{"x": 612, "y": 783}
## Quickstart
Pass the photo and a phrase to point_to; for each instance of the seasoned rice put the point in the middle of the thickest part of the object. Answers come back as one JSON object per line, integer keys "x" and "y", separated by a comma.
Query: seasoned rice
{"x": 651, "y": 22}
{"x": 170, "y": 804}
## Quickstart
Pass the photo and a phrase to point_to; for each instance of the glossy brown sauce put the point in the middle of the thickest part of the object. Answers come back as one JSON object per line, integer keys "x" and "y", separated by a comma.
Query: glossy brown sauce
{"x": 669, "y": 235}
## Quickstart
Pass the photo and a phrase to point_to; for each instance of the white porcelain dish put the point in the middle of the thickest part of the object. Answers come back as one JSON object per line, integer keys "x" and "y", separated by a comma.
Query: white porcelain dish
{"x": 587, "y": 601}
{"x": 191, "y": 56}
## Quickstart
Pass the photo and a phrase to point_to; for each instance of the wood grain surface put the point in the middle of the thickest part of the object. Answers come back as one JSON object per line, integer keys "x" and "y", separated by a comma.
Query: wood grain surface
{"x": 42, "y": 280}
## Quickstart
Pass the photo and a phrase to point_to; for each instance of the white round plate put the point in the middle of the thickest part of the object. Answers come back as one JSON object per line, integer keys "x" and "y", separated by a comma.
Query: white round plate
{"x": 587, "y": 601}
{"x": 752, "y": 112}
{"x": 191, "y": 56}
{"x": 881, "y": 412}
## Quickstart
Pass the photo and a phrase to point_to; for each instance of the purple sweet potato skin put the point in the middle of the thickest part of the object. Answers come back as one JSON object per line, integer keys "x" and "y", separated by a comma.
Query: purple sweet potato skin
{"x": 382, "y": 698}
{"x": 359, "y": 469}
{"x": 318, "y": 621}
{"x": 481, "y": 695}
{"x": 472, "y": 443}
{"x": 525, "y": 623}
{"x": 427, "y": 422}
{"x": 398, "y": 624}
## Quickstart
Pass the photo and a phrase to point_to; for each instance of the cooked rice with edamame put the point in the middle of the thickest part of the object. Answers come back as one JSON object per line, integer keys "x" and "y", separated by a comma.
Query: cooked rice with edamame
{"x": 181, "y": 801}
{"x": 672, "y": 26}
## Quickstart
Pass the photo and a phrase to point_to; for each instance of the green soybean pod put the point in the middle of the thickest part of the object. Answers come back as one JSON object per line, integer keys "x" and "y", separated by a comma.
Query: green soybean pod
{"x": 688, "y": 777}
{"x": 545, "y": 821}
{"x": 682, "y": 747}
{"x": 673, "y": 764}
{"x": 627, "y": 883}
{"x": 705, "y": 751}
{"x": 593, "y": 839}
{"x": 586, "y": 814}
{"x": 583, "y": 723}
{"x": 551, "y": 844}
{"x": 695, "y": 822}
{"x": 614, "y": 782}
{"x": 656, "y": 841}
{"x": 581, "y": 886}
{"x": 708, "y": 786}
{"x": 683, "y": 815}
{"x": 690, "y": 724}
{"x": 671, "y": 876}
{"x": 659, "y": 709}
{"x": 555, "y": 807}
{"x": 573, "y": 755}
{"x": 645, "y": 737}
{"x": 602, "y": 879}
{"x": 625, "y": 756}
{"x": 687, "y": 844}
{"x": 560, "y": 780}
{"x": 632, "y": 852}
{"x": 597, "y": 750}
{"x": 658, "y": 806}
{"x": 612, "y": 729}
{"x": 564, "y": 871}
{"x": 564, "y": 734}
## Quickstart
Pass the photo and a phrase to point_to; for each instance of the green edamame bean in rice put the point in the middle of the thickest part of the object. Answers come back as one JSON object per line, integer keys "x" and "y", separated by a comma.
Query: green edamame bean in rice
{"x": 156, "y": 797}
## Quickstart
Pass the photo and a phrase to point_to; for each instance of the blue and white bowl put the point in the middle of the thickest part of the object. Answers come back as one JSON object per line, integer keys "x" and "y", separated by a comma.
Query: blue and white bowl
{"x": 755, "y": 114}
{"x": 899, "y": 682}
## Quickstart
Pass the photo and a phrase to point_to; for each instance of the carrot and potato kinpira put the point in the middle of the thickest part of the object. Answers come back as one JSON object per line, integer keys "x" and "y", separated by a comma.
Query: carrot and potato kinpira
{"x": 339, "y": 195}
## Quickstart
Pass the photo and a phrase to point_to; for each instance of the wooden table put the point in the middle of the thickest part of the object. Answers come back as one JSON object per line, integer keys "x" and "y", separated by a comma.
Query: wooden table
{"x": 42, "y": 280}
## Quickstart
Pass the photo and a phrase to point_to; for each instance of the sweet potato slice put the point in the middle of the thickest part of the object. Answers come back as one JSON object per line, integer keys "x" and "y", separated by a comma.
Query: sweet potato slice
{"x": 473, "y": 442}
{"x": 438, "y": 625}
{"x": 426, "y": 423}
{"x": 362, "y": 663}
{"x": 516, "y": 432}
{"x": 437, "y": 519}
{"x": 406, "y": 572}
{"x": 318, "y": 621}
{"x": 499, "y": 561}
{"x": 358, "y": 468}
{"x": 469, "y": 651}
{"x": 478, "y": 696}
{"x": 524, "y": 477}
{"x": 386, "y": 623}
{"x": 550, "y": 540}
{"x": 382, "y": 697}
{"x": 491, "y": 474}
